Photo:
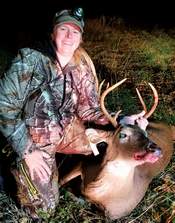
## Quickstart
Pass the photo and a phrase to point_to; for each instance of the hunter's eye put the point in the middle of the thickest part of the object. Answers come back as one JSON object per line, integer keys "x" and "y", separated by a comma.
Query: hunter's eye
{"x": 122, "y": 135}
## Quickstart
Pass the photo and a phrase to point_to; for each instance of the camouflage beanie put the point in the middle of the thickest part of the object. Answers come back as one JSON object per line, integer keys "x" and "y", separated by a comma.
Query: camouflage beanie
{"x": 70, "y": 16}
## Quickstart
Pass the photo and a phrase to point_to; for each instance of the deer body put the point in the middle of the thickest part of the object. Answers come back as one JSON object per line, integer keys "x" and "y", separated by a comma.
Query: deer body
{"x": 116, "y": 180}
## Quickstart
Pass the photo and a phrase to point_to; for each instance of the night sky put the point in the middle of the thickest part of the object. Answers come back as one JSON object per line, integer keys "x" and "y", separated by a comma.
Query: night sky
{"x": 30, "y": 19}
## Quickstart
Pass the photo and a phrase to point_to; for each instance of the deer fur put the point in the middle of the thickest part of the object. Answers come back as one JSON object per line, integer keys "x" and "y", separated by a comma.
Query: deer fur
{"x": 116, "y": 180}
{"x": 129, "y": 158}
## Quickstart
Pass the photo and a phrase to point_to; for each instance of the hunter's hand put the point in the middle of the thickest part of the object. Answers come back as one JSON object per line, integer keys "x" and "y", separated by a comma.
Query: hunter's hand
{"x": 37, "y": 165}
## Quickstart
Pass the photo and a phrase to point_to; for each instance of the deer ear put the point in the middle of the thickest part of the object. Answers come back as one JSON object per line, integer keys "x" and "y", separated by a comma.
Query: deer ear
{"x": 94, "y": 139}
{"x": 91, "y": 131}
{"x": 94, "y": 136}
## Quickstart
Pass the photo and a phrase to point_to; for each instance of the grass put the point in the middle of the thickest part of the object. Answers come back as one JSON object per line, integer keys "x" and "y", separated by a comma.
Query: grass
{"x": 138, "y": 54}
{"x": 157, "y": 206}
{"x": 142, "y": 56}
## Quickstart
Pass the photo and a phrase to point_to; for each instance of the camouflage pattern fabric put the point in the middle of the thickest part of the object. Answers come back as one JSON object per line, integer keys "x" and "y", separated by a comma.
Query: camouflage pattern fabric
{"x": 35, "y": 196}
{"x": 38, "y": 104}
{"x": 35, "y": 94}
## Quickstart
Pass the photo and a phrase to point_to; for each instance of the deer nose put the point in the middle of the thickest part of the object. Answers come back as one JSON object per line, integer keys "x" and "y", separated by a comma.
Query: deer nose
{"x": 153, "y": 147}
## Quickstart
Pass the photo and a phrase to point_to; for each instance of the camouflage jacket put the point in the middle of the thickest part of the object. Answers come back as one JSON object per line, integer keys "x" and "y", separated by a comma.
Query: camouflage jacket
{"x": 34, "y": 93}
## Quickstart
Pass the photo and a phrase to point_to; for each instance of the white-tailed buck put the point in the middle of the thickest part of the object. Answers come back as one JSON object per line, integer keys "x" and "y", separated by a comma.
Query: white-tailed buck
{"x": 129, "y": 158}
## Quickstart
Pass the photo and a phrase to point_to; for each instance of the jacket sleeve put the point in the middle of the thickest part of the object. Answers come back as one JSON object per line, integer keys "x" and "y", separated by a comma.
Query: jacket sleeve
{"x": 15, "y": 87}
{"x": 88, "y": 106}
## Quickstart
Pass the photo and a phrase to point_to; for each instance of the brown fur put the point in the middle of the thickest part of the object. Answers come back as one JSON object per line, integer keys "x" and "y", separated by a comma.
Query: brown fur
{"x": 118, "y": 182}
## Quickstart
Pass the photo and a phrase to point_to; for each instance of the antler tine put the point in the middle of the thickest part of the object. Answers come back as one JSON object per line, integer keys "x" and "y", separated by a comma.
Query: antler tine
{"x": 156, "y": 99}
{"x": 104, "y": 94}
{"x": 141, "y": 100}
{"x": 116, "y": 115}
{"x": 100, "y": 87}
{"x": 148, "y": 114}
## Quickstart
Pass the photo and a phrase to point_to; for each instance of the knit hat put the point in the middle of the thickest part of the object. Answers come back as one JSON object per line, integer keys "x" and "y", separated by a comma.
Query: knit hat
{"x": 70, "y": 16}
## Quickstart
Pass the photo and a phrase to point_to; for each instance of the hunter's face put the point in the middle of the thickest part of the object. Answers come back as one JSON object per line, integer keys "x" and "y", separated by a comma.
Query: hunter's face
{"x": 67, "y": 38}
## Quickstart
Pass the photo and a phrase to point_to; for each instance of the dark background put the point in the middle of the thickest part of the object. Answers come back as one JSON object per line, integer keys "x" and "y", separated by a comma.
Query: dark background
{"x": 23, "y": 21}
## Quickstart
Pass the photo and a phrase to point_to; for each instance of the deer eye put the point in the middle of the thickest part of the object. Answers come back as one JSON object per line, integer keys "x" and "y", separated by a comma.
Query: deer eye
{"x": 122, "y": 135}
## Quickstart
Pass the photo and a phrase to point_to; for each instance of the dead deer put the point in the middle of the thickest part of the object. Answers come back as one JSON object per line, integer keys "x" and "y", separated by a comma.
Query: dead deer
{"x": 116, "y": 180}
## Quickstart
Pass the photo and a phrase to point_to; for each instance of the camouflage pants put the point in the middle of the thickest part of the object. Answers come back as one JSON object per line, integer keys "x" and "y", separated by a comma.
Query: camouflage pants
{"x": 35, "y": 195}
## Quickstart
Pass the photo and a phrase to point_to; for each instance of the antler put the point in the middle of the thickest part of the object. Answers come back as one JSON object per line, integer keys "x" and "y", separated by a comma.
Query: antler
{"x": 103, "y": 108}
{"x": 156, "y": 99}
{"x": 100, "y": 87}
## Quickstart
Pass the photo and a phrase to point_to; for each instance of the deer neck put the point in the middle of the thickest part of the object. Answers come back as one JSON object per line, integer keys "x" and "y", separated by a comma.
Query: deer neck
{"x": 113, "y": 173}
{"x": 120, "y": 169}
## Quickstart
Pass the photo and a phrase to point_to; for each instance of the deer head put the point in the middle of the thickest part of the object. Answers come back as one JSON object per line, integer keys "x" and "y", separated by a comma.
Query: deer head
{"x": 131, "y": 141}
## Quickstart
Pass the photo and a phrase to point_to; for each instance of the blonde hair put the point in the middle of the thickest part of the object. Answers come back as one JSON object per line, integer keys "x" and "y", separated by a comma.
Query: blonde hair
{"x": 81, "y": 53}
